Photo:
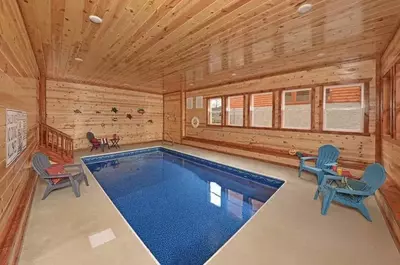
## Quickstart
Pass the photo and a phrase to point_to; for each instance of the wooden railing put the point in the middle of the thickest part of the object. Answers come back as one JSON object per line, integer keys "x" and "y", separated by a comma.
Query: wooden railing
{"x": 56, "y": 141}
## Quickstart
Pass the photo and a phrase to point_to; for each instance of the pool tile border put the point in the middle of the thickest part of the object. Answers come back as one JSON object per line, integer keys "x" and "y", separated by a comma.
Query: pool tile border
{"x": 262, "y": 179}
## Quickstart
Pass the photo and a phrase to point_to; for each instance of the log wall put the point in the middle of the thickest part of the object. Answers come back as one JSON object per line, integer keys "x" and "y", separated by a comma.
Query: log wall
{"x": 357, "y": 150}
{"x": 18, "y": 87}
{"x": 76, "y": 109}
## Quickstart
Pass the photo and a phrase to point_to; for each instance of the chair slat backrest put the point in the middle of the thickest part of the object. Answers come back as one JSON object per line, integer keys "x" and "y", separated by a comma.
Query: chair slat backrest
{"x": 374, "y": 175}
{"x": 40, "y": 163}
{"x": 327, "y": 154}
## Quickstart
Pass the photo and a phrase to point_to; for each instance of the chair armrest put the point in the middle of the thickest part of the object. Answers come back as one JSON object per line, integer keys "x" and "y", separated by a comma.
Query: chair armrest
{"x": 330, "y": 164}
{"x": 329, "y": 177}
{"x": 73, "y": 165}
{"x": 308, "y": 158}
{"x": 57, "y": 176}
{"x": 353, "y": 192}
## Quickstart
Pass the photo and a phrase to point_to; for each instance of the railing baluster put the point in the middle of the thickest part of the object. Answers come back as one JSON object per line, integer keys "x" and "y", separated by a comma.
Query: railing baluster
{"x": 52, "y": 141}
{"x": 41, "y": 134}
{"x": 56, "y": 141}
{"x": 62, "y": 145}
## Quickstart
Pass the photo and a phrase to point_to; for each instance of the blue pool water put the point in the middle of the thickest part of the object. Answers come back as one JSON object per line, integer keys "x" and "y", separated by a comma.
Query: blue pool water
{"x": 183, "y": 208}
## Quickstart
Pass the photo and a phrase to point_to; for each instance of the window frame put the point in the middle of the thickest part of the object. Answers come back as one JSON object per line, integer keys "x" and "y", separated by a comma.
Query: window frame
{"x": 277, "y": 103}
{"x": 226, "y": 114}
{"x": 363, "y": 105}
{"x": 208, "y": 111}
{"x": 250, "y": 115}
{"x": 282, "y": 103}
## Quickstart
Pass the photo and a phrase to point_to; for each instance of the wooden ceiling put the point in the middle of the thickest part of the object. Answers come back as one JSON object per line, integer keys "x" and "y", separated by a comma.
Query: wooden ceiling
{"x": 162, "y": 45}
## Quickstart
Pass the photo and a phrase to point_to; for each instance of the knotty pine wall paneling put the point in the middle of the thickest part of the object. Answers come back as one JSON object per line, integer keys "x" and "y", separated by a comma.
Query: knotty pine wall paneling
{"x": 18, "y": 90}
{"x": 273, "y": 145}
{"x": 172, "y": 117}
{"x": 76, "y": 109}
{"x": 389, "y": 195}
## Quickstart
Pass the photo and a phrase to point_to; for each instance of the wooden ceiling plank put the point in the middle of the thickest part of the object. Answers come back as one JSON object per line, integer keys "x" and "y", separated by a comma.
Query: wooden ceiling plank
{"x": 15, "y": 55}
{"x": 240, "y": 46}
{"x": 273, "y": 31}
{"x": 173, "y": 38}
{"x": 179, "y": 16}
{"x": 147, "y": 11}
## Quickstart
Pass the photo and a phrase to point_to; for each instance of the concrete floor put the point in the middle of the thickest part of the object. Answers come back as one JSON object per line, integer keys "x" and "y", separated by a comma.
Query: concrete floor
{"x": 288, "y": 229}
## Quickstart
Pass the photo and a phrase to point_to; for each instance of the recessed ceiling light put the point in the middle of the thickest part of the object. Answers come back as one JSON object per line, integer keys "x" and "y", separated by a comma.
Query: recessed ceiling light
{"x": 191, "y": 84}
{"x": 78, "y": 59}
{"x": 320, "y": 54}
{"x": 304, "y": 8}
{"x": 95, "y": 19}
{"x": 233, "y": 74}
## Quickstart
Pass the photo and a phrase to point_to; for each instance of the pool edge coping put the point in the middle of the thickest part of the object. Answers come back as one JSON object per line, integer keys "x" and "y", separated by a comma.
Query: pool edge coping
{"x": 160, "y": 146}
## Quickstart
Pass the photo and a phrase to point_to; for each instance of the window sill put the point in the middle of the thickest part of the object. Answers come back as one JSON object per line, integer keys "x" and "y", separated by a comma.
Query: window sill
{"x": 290, "y": 130}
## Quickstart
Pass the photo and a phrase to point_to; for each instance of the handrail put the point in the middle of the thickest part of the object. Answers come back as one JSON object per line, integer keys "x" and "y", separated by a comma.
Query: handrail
{"x": 54, "y": 129}
{"x": 56, "y": 141}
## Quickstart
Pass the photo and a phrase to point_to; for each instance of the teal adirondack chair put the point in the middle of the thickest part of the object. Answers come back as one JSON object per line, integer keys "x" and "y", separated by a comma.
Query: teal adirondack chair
{"x": 373, "y": 178}
{"x": 327, "y": 157}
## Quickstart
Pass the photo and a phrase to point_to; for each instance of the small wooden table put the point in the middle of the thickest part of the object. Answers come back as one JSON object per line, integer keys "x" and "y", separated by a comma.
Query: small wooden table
{"x": 114, "y": 142}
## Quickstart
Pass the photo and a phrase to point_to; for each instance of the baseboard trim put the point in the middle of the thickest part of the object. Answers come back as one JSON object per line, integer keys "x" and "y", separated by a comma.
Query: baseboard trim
{"x": 390, "y": 219}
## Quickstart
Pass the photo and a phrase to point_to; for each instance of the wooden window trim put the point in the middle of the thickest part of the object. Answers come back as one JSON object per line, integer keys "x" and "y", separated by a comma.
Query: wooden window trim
{"x": 226, "y": 111}
{"x": 277, "y": 108}
{"x": 207, "y": 112}
{"x": 282, "y": 94}
{"x": 364, "y": 103}
{"x": 249, "y": 111}
{"x": 391, "y": 120}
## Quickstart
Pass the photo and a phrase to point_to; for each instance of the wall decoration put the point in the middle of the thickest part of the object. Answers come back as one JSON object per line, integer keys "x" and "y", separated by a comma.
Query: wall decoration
{"x": 103, "y": 125}
{"x": 98, "y": 112}
{"x": 129, "y": 116}
{"x": 189, "y": 103}
{"x": 114, "y": 119}
{"x": 195, "y": 122}
{"x": 140, "y": 111}
{"x": 114, "y": 109}
{"x": 292, "y": 151}
{"x": 16, "y": 134}
{"x": 77, "y": 111}
{"x": 199, "y": 102}
{"x": 150, "y": 121}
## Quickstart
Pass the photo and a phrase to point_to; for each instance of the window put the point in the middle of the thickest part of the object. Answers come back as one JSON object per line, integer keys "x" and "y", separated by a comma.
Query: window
{"x": 296, "y": 109}
{"x": 215, "y": 193}
{"x": 261, "y": 110}
{"x": 215, "y": 111}
{"x": 235, "y": 204}
{"x": 235, "y": 111}
{"x": 344, "y": 108}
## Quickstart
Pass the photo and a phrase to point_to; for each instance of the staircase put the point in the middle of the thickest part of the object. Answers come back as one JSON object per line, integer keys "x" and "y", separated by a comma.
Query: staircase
{"x": 58, "y": 146}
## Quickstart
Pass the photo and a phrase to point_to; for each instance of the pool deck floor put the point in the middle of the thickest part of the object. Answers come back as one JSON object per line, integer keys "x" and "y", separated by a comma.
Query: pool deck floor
{"x": 288, "y": 230}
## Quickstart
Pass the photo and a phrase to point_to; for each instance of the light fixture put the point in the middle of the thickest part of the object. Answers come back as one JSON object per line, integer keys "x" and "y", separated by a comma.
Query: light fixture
{"x": 95, "y": 19}
{"x": 78, "y": 59}
{"x": 320, "y": 54}
{"x": 191, "y": 84}
{"x": 304, "y": 8}
{"x": 233, "y": 74}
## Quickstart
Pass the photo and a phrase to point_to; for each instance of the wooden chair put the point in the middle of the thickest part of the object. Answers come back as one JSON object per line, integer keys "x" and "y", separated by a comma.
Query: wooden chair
{"x": 96, "y": 143}
{"x": 327, "y": 157}
{"x": 355, "y": 192}
{"x": 41, "y": 164}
